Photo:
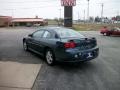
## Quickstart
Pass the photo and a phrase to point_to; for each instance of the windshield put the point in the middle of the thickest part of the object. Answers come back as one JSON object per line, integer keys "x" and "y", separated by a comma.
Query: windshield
{"x": 65, "y": 33}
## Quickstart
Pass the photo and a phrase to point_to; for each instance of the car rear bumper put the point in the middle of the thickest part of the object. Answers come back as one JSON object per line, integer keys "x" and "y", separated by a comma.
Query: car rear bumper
{"x": 78, "y": 56}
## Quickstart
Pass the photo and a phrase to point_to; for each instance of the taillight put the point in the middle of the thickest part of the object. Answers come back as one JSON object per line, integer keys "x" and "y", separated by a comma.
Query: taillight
{"x": 70, "y": 45}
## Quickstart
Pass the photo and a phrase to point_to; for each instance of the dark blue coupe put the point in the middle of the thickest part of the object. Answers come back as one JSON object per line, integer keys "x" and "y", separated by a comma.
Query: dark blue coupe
{"x": 61, "y": 44}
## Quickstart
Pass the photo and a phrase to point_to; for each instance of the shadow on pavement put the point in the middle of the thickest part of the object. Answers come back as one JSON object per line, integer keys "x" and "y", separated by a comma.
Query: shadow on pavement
{"x": 28, "y": 58}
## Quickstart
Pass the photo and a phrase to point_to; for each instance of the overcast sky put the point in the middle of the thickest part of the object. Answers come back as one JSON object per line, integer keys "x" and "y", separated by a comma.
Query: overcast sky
{"x": 51, "y": 8}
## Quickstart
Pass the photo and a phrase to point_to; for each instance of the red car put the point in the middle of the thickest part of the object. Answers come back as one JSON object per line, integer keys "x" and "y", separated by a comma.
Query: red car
{"x": 107, "y": 32}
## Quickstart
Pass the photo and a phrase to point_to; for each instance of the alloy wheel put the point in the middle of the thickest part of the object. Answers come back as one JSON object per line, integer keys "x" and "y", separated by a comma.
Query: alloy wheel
{"x": 49, "y": 57}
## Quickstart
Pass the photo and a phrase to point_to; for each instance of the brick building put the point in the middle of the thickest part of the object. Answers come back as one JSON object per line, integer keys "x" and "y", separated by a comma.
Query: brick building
{"x": 28, "y": 22}
{"x": 5, "y": 21}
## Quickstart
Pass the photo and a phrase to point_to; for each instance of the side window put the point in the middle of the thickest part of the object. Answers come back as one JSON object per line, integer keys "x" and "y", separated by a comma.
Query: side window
{"x": 38, "y": 34}
{"x": 47, "y": 34}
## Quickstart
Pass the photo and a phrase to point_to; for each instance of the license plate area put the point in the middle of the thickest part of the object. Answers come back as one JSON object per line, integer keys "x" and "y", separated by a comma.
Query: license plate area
{"x": 87, "y": 55}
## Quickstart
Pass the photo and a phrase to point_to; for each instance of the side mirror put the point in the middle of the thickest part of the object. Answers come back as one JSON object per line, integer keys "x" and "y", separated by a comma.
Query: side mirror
{"x": 30, "y": 35}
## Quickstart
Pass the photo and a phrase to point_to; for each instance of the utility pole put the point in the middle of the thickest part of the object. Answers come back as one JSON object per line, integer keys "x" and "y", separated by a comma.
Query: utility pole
{"x": 102, "y": 5}
{"x": 88, "y": 10}
{"x": 78, "y": 16}
{"x": 118, "y": 12}
{"x": 12, "y": 12}
{"x": 84, "y": 16}
{"x": 60, "y": 13}
{"x": 117, "y": 15}
{"x": 60, "y": 17}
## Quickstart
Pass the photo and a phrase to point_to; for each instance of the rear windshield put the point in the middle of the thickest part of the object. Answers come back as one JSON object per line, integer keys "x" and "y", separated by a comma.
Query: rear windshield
{"x": 66, "y": 33}
{"x": 116, "y": 28}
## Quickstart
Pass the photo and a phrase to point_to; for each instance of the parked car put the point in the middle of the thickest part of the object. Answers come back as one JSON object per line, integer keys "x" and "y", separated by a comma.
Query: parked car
{"x": 113, "y": 31}
{"x": 104, "y": 30}
{"x": 61, "y": 44}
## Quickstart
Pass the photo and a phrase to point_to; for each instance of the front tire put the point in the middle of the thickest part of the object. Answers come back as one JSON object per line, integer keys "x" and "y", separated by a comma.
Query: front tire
{"x": 103, "y": 34}
{"x": 25, "y": 46}
{"x": 50, "y": 58}
{"x": 107, "y": 34}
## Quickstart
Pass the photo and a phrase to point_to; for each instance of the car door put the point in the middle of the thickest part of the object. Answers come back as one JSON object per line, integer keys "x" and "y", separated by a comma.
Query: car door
{"x": 36, "y": 41}
{"x": 45, "y": 40}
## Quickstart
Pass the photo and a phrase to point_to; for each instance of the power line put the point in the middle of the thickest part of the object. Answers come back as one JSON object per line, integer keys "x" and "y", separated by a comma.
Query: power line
{"x": 31, "y": 1}
{"x": 32, "y": 7}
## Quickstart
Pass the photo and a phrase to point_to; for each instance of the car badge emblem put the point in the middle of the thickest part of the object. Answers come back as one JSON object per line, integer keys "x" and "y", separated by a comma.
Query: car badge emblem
{"x": 89, "y": 55}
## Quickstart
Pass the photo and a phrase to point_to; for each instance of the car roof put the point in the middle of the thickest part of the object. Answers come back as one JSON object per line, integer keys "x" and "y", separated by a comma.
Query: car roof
{"x": 53, "y": 28}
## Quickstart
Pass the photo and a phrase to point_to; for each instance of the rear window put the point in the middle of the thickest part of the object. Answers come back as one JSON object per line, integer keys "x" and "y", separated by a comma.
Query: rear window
{"x": 117, "y": 28}
{"x": 68, "y": 33}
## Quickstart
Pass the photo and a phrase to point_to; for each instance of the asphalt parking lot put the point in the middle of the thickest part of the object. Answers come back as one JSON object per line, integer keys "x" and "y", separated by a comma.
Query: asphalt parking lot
{"x": 102, "y": 73}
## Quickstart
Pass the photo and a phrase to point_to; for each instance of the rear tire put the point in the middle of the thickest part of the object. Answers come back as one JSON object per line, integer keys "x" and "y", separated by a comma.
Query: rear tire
{"x": 50, "y": 58}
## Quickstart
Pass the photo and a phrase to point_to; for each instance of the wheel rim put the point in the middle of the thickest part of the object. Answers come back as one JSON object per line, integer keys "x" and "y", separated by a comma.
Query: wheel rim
{"x": 49, "y": 57}
{"x": 105, "y": 34}
{"x": 25, "y": 46}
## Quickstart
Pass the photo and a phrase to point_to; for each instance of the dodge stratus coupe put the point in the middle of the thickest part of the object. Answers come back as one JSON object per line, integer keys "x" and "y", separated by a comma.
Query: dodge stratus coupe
{"x": 61, "y": 44}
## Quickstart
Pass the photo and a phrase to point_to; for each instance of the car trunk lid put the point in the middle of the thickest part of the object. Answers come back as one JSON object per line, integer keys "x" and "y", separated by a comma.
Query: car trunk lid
{"x": 79, "y": 43}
